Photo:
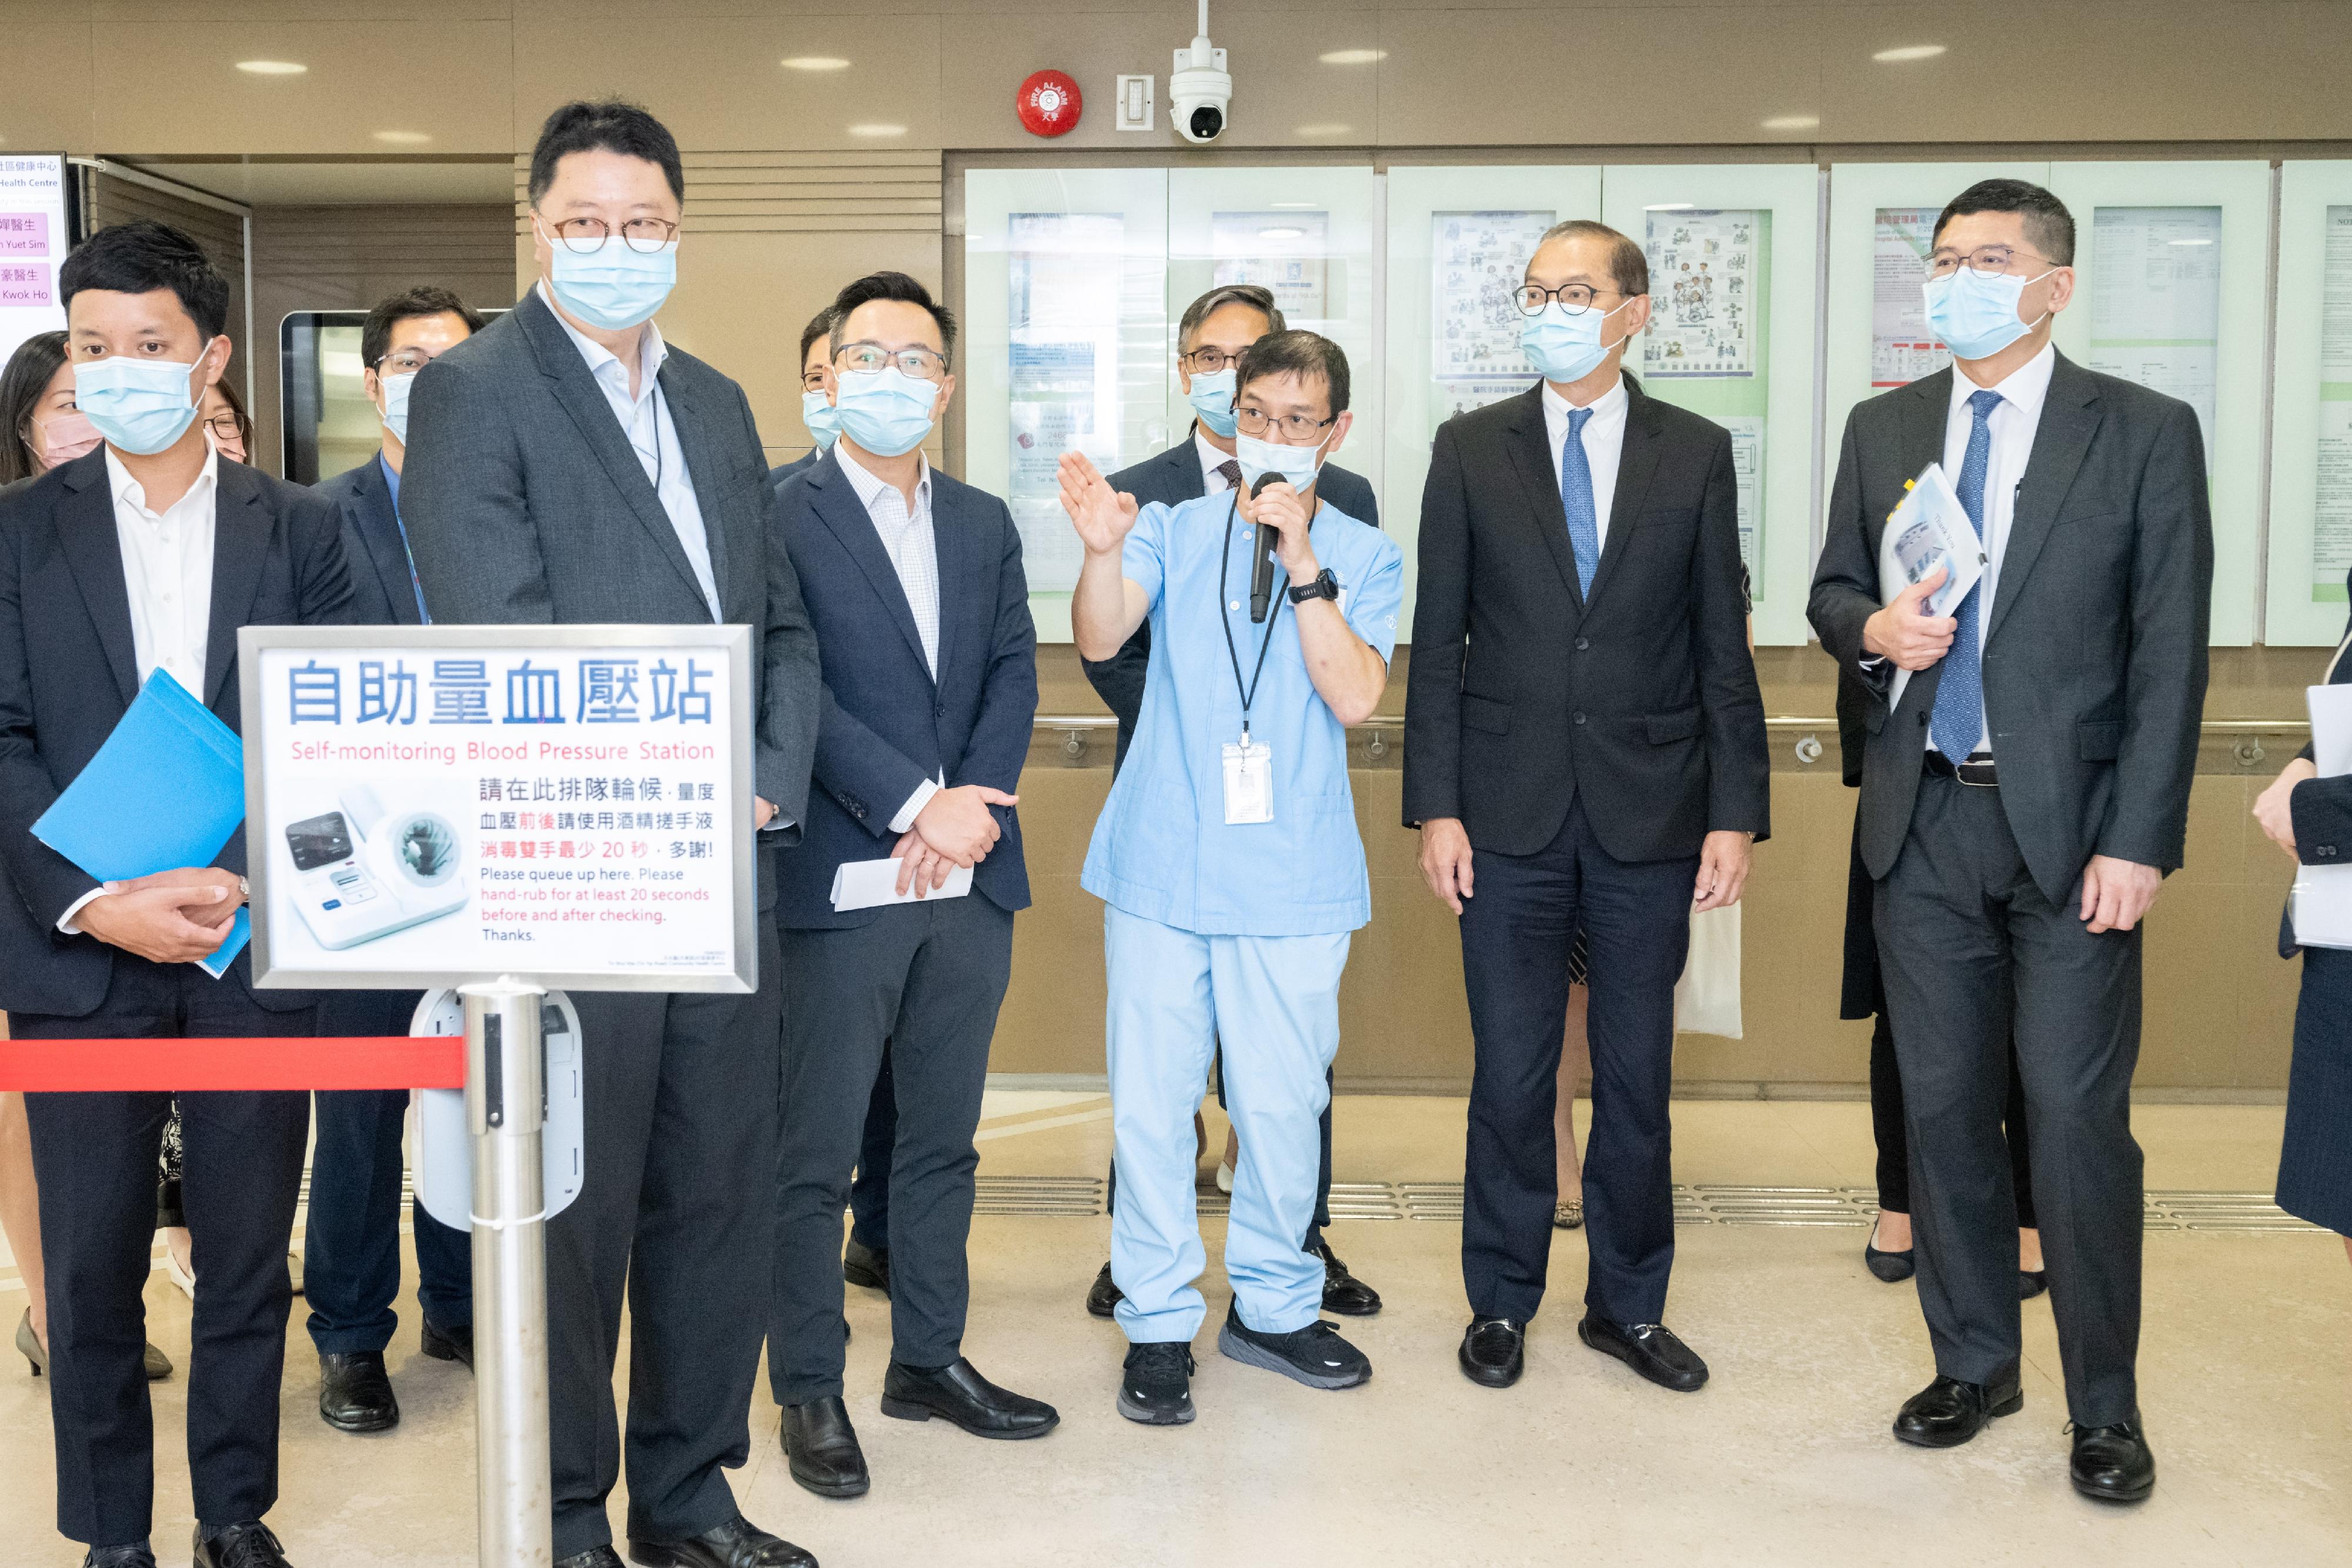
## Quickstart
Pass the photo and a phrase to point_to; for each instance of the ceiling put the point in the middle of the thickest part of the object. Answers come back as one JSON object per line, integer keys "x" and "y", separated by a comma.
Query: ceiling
{"x": 339, "y": 182}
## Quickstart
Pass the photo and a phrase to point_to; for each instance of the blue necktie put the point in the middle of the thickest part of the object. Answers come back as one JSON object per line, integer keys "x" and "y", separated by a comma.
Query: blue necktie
{"x": 1576, "y": 499}
{"x": 1958, "y": 722}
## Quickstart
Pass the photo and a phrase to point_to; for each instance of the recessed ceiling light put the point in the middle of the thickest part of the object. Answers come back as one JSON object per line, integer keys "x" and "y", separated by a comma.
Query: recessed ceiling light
{"x": 1324, "y": 130}
{"x": 402, "y": 137}
{"x": 816, "y": 63}
{"x": 1672, "y": 207}
{"x": 271, "y": 67}
{"x": 1907, "y": 52}
{"x": 1353, "y": 57}
{"x": 877, "y": 130}
{"x": 1793, "y": 122}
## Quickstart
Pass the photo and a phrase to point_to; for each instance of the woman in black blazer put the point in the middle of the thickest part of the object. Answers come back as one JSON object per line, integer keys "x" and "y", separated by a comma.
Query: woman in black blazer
{"x": 2311, "y": 819}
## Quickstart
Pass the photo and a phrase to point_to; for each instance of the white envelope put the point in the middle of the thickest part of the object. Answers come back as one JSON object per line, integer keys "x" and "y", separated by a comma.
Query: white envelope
{"x": 866, "y": 884}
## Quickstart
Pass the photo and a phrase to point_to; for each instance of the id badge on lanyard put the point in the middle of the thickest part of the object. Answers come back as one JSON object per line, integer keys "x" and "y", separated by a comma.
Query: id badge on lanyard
{"x": 1249, "y": 765}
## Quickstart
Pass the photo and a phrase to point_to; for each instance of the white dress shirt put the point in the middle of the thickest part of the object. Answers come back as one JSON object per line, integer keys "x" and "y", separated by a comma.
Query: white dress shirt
{"x": 909, "y": 540}
{"x": 1212, "y": 482}
{"x": 1605, "y": 443}
{"x": 645, "y": 420}
{"x": 2011, "y": 426}
{"x": 167, "y": 575}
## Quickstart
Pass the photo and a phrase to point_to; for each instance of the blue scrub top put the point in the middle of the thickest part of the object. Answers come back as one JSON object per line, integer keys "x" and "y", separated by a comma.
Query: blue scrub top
{"x": 1162, "y": 848}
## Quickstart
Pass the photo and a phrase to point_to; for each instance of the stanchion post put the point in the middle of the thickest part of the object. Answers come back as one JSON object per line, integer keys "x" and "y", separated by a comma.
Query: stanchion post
{"x": 506, "y": 1090}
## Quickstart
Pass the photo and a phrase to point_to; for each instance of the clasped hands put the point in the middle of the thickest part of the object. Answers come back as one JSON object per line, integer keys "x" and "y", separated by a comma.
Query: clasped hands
{"x": 955, "y": 827}
{"x": 169, "y": 918}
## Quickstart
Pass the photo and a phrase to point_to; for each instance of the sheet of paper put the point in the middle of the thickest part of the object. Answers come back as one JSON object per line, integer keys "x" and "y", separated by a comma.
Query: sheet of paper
{"x": 1476, "y": 263}
{"x": 1062, "y": 312}
{"x": 1701, "y": 308}
{"x": 1902, "y": 348}
{"x": 2331, "y": 533}
{"x": 2156, "y": 302}
{"x": 867, "y": 884}
{"x": 2321, "y": 905}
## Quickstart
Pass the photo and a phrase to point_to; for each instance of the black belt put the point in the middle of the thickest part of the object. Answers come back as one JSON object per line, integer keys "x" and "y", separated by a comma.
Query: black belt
{"x": 1977, "y": 770}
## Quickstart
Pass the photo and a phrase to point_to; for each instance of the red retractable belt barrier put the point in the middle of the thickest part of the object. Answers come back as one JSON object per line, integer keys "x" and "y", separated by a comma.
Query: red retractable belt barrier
{"x": 355, "y": 1062}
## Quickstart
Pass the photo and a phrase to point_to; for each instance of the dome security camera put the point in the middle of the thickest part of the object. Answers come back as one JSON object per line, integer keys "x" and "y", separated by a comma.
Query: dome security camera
{"x": 1200, "y": 89}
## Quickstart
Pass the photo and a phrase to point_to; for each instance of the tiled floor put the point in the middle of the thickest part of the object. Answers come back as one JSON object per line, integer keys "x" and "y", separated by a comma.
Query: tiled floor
{"x": 2246, "y": 1369}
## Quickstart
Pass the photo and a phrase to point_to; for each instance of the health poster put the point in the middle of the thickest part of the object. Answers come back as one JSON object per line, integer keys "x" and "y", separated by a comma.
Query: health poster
{"x": 1902, "y": 348}
{"x": 2156, "y": 302}
{"x": 1703, "y": 294}
{"x": 1289, "y": 253}
{"x": 2331, "y": 540}
{"x": 1477, "y": 262}
{"x": 1061, "y": 391}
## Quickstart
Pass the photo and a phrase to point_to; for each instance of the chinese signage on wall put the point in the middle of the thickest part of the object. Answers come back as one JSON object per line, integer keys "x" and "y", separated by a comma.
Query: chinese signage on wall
{"x": 33, "y": 241}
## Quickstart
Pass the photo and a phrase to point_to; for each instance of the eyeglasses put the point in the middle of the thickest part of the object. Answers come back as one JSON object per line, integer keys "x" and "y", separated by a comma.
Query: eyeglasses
{"x": 225, "y": 427}
{"x": 1208, "y": 361}
{"x": 406, "y": 363}
{"x": 1987, "y": 260}
{"x": 866, "y": 359}
{"x": 1575, "y": 298}
{"x": 1298, "y": 430}
{"x": 639, "y": 233}
{"x": 813, "y": 381}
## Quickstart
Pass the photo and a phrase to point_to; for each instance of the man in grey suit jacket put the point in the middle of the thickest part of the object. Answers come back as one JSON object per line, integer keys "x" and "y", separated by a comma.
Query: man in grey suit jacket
{"x": 2024, "y": 793}
{"x": 567, "y": 467}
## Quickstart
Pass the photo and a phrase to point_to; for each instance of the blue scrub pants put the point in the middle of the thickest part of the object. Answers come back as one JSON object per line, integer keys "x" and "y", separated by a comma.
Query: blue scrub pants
{"x": 1275, "y": 1000}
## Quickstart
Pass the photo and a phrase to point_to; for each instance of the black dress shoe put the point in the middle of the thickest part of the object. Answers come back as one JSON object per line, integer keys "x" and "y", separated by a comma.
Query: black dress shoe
{"x": 866, "y": 1266}
{"x": 959, "y": 1394}
{"x": 248, "y": 1545}
{"x": 354, "y": 1394}
{"x": 132, "y": 1556}
{"x": 2031, "y": 1282}
{"x": 1104, "y": 1297}
{"x": 449, "y": 1344}
{"x": 1493, "y": 1351}
{"x": 738, "y": 1543}
{"x": 1650, "y": 1349}
{"x": 1948, "y": 1412}
{"x": 594, "y": 1557}
{"x": 2113, "y": 1464}
{"x": 822, "y": 1448}
{"x": 1343, "y": 1293}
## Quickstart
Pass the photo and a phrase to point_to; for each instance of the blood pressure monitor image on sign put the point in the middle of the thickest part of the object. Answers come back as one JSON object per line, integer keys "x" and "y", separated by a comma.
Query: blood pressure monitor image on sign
{"x": 445, "y": 1146}
{"x": 364, "y": 871}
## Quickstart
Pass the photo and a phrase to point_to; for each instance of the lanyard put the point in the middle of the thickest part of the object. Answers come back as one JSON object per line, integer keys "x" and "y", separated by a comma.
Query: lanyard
{"x": 1224, "y": 619}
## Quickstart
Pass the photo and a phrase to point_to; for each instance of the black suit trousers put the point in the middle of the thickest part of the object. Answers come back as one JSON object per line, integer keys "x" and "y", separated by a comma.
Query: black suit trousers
{"x": 680, "y": 1103}
{"x": 94, "y": 1156}
{"x": 1517, "y": 931}
{"x": 928, "y": 978}
{"x": 1970, "y": 948}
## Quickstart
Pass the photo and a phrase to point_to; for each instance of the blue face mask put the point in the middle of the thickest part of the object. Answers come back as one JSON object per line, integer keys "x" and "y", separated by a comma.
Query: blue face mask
{"x": 1212, "y": 398}
{"x": 395, "y": 404}
{"x": 141, "y": 406}
{"x": 823, "y": 420}
{"x": 1565, "y": 345}
{"x": 613, "y": 286}
{"x": 886, "y": 411}
{"x": 1294, "y": 465}
{"x": 1975, "y": 313}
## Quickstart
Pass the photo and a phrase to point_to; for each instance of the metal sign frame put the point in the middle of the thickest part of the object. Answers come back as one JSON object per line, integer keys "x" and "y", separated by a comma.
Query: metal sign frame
{"x": 732, "y": 643}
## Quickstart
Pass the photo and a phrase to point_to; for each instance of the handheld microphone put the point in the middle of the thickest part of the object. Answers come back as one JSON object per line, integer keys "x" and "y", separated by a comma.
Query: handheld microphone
{"x": 1269, "y": 540}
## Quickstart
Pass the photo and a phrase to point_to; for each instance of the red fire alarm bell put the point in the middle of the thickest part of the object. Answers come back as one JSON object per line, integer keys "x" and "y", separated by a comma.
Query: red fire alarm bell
{"x": 1048, "y": 103}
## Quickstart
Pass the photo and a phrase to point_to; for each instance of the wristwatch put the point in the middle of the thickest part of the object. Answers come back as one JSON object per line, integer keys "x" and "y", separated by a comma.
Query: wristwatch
{"x": 1325, "y": 586}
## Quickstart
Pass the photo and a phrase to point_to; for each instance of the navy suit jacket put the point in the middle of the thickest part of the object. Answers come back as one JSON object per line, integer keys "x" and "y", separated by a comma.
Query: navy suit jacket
{"x": 884, "y": 725}
{"x": 1172, "y": 479}
{"x": 801, "y": 465}
{"x": 383, "y": 592}
{"x": 69, "y": 668}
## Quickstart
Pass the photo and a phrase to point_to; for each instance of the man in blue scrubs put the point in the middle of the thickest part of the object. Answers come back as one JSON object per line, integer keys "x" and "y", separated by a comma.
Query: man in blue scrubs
{"x": 1229, "y": 860}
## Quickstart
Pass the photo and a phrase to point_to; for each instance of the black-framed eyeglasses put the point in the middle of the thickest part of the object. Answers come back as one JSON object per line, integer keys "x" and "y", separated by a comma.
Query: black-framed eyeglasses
{"x": 1574, "y": 297}
{"x": 866, "y": 359}
{"x": 584, "y": 235}
{"x": 1986, "y": 260}
{"x": 226, "y": 426}
{"x": 1208, "y": 361}
{"x": 1296, "y": 429}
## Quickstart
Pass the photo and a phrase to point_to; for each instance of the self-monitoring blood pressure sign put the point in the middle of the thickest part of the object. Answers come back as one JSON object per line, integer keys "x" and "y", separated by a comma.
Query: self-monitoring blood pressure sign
{"x": 568, "y": 804}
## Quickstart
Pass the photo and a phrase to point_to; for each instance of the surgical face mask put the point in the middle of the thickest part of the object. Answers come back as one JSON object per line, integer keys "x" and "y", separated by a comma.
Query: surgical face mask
{"x": 63, "y": 437}
{"x": 1975, "y": 313}
{"x": 1212, "y": 398}
{"x": 823, "y": 420}
{"x": 142, "y": 406}
{"x": 395, "y": 403}
{"x": 1294, "y": 465}
{"x": 612, "y": 287}
{"x": 1565, "y": 345}
{"x": 886, "y": 411}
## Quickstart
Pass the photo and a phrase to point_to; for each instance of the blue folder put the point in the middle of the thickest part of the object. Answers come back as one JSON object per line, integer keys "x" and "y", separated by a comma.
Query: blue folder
{"x": 165, "y": 790}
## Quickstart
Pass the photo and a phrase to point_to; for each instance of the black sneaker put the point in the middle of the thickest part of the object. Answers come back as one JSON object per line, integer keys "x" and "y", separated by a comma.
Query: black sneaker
{"x": 1315, "y": 1356}
{"x": 1157, "y": 1387}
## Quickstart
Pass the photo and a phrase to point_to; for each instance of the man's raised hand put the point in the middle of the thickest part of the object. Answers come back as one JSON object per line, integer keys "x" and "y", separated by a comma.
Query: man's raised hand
{"x": 1101, "y": 515}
